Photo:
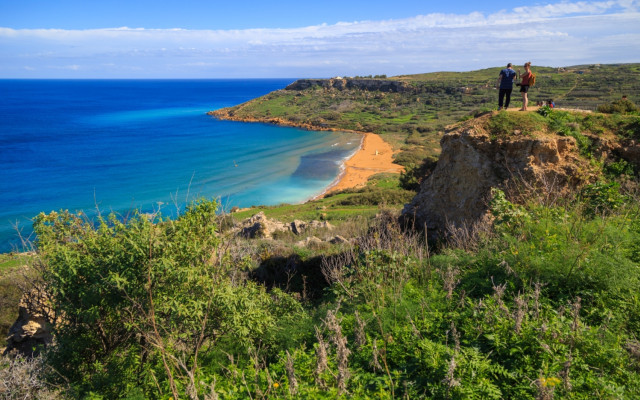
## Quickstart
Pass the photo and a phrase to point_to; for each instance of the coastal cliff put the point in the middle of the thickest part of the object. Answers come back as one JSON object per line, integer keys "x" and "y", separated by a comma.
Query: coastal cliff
{"x": 251, "y": 111}
{"x": 380, "y": 85}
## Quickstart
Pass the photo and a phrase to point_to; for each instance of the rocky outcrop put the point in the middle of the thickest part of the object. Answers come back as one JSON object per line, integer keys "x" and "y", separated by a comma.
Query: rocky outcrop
{"x": 380, "y": 85}
{"x": 630, "y": 151}
{"x": 32, "y": 330}
{"x": 261, "y": 227}
{"x": 456, "y": 193}
{"x": 311, "y": 241}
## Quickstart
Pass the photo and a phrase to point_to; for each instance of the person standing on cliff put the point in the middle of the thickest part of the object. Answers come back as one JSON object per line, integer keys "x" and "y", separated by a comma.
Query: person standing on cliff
{"x": 524, "y": 85}
{"x": 505, "y": 84}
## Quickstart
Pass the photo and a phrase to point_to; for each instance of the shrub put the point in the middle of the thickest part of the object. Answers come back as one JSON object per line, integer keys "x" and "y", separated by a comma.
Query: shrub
{"x": 618, "y": 168}
{"x": 373, "y": 196}
{"x": 601, "y": 198}
{"x": 141, "y": 301}
{"x": 23, "y": 378}
{"x": 413, "y": 175}
{"x": 545, "y": 111}
{"x": 622, "y": 106}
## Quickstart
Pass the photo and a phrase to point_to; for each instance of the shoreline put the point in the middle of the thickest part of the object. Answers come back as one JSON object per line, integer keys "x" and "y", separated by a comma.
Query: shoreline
{"x": 374, "y": 155}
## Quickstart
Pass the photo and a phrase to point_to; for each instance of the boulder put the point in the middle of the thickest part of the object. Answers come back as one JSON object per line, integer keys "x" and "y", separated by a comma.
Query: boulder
{"x": 338, "y": 240}
{"x": 321, "y": 225}
{"x": 259, "y": 226}
{"x": 298, "y": 227}
{"x": 311, "y": 240}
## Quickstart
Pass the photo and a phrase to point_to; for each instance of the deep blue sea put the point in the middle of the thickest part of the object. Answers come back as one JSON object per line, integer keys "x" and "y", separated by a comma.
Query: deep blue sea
{"x": 118, "y": 145}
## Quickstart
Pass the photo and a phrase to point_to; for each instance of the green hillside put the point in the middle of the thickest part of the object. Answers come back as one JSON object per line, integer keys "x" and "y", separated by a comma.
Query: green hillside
{"x": 413, "y": 121}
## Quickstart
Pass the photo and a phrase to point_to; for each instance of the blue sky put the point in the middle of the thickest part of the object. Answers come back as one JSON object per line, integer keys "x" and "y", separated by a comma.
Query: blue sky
{"x": 260, "y": 39}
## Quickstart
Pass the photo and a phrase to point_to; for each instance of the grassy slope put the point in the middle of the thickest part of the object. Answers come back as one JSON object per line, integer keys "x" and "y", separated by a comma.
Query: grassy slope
{"x": 383, "y": 189}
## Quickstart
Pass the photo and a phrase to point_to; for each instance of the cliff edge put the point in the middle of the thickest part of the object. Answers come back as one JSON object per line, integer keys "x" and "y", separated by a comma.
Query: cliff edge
{"x": 476, "y": 156}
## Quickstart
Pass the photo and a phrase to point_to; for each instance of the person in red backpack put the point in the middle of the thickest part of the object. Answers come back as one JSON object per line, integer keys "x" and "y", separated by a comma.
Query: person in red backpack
{"x": 524, "y": 84}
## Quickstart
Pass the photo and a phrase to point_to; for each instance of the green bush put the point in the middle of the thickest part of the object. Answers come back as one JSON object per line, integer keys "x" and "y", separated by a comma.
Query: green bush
{"x": 414, "y": 174}
{"x": 373, "y": 196}
{"x": 545, "y": 111}
{"x": 142, "y": 301}
{"x": 619, "y": 168}
{"x": 622, "y": 106}
{"x": 601, "y": 198}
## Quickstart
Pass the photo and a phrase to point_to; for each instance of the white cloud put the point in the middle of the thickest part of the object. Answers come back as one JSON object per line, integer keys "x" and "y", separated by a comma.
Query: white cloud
{"x": 554, "y": 34}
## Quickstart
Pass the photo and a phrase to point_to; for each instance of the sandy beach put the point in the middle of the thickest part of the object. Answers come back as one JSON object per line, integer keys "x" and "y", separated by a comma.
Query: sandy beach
{"x": 375, "y": 156}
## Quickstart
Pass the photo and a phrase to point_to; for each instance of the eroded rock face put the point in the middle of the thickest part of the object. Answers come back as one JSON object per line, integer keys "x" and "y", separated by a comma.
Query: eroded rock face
{"x": 380, "y": 85}
{"x": 471, "y": 163}
{"x": 32, "y": 330}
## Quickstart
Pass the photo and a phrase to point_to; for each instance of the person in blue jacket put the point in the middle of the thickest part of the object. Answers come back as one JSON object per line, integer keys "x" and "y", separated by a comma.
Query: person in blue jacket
{"x": 505, "y": 84}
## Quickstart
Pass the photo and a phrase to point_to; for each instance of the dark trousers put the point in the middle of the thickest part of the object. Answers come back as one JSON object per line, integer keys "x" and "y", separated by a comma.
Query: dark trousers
{"x": 501, "y": 96}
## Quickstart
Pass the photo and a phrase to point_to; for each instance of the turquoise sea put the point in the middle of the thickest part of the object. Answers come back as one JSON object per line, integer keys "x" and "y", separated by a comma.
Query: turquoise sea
{"x": 117, "y": 145}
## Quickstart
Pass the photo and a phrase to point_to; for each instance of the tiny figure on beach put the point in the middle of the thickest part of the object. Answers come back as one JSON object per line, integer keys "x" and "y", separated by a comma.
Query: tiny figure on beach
{"x": 505, "y": 83}
{"x": 524, "y": 84}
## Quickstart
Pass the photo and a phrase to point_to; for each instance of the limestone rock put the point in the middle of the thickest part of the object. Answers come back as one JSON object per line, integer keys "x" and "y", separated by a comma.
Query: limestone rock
{"x": 32, "y": 329}
{"x": 259, "y": 226}
{"x": 381, "y": 85}
{"x": 321, "y": 225}
{"x": 311, "y": 240}
{"x": 471, "y": 163}
{"x": 298, "y": 227}
{"x": 338, "y": 240}
{"x": 630, "y": 151}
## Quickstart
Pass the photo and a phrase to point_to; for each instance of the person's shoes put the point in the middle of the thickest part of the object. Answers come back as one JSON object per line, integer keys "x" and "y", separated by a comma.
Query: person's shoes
{"x": 499, "y": 108}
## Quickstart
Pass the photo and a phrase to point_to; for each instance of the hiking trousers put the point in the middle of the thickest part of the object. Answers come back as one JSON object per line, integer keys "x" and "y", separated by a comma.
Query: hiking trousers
{"x": 501, "y": 97}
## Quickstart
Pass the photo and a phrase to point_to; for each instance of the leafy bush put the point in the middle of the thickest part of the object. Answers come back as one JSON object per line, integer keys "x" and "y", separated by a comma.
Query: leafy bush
{"x": 622, "y": 106}
{"x": 619, "y": 168}
{"x": 142, "y": 301}
{"x": 505, "y": 211}
{"x": 601, "y": 198}
{"x": 549, "y": 306}
{"x": 545, "y": 111}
